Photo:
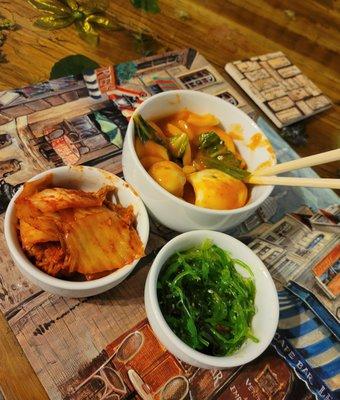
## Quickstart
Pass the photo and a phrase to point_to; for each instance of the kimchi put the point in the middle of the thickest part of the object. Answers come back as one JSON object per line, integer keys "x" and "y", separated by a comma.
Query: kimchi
{"x": 73, "y": 234}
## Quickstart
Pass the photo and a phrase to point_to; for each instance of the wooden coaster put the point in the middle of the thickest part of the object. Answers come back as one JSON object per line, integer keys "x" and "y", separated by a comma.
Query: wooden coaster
{"x": 279, "y": 88}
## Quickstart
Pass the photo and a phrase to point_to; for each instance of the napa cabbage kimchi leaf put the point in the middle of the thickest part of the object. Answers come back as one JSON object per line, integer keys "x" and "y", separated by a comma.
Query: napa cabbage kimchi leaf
{"x": 54, "y": 199}
{"x": 23, "y": 207}
{"x": 32, "y": 187}
{"x": 67, "y": 232}
{"x": 97, "y": 240}
{"x": 38, "y": 197}
{"x": 125, "y": 213}
{"x": 42, "y": 230}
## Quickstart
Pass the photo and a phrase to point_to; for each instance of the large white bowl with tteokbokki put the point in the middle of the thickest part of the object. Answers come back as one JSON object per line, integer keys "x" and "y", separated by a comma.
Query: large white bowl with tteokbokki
{"x": 188, "y": 155}
{"x": 76, "y": 231}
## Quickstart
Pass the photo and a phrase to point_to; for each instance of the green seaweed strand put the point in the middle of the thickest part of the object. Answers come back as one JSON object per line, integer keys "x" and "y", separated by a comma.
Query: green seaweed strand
{"x": 206, "y": 301}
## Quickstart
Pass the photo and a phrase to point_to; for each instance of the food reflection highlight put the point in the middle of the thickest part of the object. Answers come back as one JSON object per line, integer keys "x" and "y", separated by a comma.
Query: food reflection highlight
{"x": 73, "y": 234}
{"x": 191, "y": 157}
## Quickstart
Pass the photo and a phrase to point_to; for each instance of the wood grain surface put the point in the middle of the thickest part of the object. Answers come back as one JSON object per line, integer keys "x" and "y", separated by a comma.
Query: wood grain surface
{"x": 307, "y": 31}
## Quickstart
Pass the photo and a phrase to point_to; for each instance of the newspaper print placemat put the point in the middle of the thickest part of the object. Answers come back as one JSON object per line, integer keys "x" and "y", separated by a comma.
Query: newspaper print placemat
{"x": 81, "y": 120}
{"x": 103, "y": 347}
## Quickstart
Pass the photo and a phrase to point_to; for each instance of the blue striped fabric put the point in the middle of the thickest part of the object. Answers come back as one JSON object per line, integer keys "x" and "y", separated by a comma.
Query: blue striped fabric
{"x": 291, "y": 311}
{"x": 300, "y": 330}
{"x": 329, "y": 370}
{"x": 317, "y": 348}
{"x": 309, "y": 336}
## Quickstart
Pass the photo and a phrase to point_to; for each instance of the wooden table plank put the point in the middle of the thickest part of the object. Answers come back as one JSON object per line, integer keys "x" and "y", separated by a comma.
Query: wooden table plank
{"x": 32, "y": 52}
{"x": 17, "y": 378}
{"x": 236, "y": 33}
{"x": 222, "y": 31}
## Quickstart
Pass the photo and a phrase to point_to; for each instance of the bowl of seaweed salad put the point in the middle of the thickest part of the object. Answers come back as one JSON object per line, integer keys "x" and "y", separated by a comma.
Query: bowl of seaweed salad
{"x": 210, "y": 300}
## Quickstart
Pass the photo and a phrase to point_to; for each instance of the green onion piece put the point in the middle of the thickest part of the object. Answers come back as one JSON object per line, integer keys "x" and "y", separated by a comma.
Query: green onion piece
{"x": 145, "y": 131}
{"x": 214, "y": 154}
{"x": 178, "y": 144}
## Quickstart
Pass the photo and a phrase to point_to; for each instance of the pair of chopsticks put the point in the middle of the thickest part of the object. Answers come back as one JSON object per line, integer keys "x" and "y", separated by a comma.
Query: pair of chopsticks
{"x": 266, "y": 176}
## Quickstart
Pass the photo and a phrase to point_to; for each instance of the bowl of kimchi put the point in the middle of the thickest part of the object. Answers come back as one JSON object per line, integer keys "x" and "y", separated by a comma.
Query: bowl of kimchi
{"x": 76, "y": 231}
{"x": 188, "y": 154}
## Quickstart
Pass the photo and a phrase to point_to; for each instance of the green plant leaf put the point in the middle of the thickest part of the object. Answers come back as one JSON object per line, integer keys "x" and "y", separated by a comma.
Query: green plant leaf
{"x": 6, "y": 24}
{"x": 72, "y": 4}
{"x": 102, "y": 22}
{"x": 93, "y": 6}
{"x": 50, "y": 6}
{"x": 144, "y": 44}
{"x": 72, "y": 65}
{"x": 150, "y": 6}
{"x": 87, "y": 32}
{"x": 52, "y": 22}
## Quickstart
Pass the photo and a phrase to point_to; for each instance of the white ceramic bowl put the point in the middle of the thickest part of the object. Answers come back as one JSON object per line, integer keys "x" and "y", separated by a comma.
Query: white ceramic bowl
{"x": 176, "y": 213}
{"x": 87, "y": 179}
{"x": 266, "y": 301}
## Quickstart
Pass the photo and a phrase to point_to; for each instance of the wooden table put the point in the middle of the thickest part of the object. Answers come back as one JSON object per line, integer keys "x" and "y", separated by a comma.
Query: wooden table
{"x": 306, "y": 31}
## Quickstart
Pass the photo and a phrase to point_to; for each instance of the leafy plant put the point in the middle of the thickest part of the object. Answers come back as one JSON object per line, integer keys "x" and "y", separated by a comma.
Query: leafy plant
{"x": 146, "y": 5}
{"x": 5, "y": 26}
{"x": 144, "y": 44}
{"x": 85, "y": 15}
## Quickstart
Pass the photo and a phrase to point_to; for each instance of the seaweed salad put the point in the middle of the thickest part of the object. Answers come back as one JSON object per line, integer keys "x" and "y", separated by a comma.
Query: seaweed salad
{"x": 206, "y": 302}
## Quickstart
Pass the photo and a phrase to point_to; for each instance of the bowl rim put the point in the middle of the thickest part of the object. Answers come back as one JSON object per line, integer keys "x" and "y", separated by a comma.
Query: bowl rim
{"x": 20, "y": 257}
{"x": 130, "y": 135}
{"x": 151, "y": 292}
